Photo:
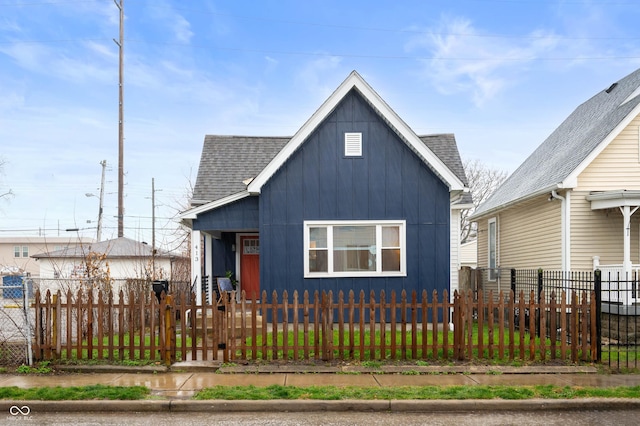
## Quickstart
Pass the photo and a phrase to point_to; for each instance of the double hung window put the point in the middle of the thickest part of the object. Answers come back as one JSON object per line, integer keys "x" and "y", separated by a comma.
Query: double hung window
{"x": 360, "y": 248}
{"x": 493, "y": 271}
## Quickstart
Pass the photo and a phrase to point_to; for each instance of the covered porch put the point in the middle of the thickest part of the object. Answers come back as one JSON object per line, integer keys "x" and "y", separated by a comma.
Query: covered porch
{"x": 619, "y": 280}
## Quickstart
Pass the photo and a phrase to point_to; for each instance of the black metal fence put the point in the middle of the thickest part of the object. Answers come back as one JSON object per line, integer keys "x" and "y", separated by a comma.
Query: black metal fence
{"x": 617, "y": 299}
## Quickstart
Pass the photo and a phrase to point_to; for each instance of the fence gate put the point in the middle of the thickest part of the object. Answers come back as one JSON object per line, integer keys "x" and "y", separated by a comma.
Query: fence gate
{"x": 16, "y": 320}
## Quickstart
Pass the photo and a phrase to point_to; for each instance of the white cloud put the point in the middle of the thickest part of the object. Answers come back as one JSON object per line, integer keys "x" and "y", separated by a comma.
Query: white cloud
{"x": 167, "y": 16}
{"x": 272, "y": 63}
{"x": 317, "y": 75}
{"x": 182, "y": 29}
{"x": 464, "y": 61}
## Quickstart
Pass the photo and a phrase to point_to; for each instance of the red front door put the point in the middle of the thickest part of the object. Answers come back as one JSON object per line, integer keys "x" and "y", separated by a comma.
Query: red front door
{"x": 250, "y": 266}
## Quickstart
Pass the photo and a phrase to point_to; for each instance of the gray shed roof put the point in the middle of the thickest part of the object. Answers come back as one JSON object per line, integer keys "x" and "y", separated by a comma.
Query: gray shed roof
{"x": 118, "y": 248}
{"x": 569, "y": 145}
{"x": 228, "y": 161}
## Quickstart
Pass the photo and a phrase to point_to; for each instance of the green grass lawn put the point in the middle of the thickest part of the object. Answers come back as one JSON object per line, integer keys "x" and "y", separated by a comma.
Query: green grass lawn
{"x": 102, "y": 392}
{"x": 122, "y": 349}
{"x": 59, "y": 393}
{"x": 413, "y": 392}
{"x": 358, "y": 346}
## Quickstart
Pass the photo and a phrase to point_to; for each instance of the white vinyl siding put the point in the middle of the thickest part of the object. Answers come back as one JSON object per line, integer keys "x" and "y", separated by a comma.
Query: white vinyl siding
{"x": 599, "y": 232}
{"x": 529, "y": 236}
{"x": 617, "y": 166}
{"x": 454, "y": 237}
{"x": 354, "y": 248}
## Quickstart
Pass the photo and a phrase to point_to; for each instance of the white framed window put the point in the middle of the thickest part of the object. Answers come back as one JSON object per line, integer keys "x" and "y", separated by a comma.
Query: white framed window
{"x": 354, "y": 248}
{"x": 492, "y": 241}
{"x": 353, "y": 144}
{"x": 16, "y": 251}
{"x": 25, "y": 251}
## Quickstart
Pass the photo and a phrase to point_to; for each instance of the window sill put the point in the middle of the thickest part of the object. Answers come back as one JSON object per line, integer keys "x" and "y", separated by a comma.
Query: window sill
{"x": 357, "y": 275}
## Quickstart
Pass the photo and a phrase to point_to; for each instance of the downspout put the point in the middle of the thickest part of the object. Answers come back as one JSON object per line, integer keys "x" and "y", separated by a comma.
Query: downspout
{"x": 565, "y": 224}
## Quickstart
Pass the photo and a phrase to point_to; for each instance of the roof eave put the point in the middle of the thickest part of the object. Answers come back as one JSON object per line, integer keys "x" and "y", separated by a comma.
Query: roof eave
{"x": 535, "y": 194}
{"x": 188, "y": 216}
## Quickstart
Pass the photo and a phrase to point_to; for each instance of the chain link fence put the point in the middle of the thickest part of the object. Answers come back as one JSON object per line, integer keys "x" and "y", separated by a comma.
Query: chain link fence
{"x": 16, "y": 320}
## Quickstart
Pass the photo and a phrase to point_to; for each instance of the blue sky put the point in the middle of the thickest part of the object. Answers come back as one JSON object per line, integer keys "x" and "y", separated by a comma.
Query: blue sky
{"x": 499, "y": 74}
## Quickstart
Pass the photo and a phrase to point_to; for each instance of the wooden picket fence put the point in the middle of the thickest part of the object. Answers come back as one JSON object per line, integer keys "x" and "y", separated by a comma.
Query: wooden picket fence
{"x": 318, "y": 326}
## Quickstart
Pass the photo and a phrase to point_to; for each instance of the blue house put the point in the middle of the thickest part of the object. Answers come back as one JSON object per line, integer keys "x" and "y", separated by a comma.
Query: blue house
{"x": 354, "y": 200}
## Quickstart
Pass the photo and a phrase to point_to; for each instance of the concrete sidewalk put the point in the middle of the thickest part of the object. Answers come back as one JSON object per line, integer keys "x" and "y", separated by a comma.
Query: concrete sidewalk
{"x": 175, "y": 388}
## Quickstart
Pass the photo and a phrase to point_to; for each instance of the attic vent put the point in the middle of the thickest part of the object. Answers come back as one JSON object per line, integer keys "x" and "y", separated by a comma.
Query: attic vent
{"x": 353, "y": 144}
{"x": 613, "y": 86}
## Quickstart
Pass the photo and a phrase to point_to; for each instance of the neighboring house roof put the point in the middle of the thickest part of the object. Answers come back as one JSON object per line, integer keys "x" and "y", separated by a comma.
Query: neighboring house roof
{"x": 233, "y": 167}
{"x": 557, "y": 163}
{"x": 118, "y": 248}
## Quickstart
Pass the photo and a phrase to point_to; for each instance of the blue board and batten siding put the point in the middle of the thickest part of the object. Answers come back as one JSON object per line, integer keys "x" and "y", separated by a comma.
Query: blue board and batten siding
{"x": 389, "y": 181}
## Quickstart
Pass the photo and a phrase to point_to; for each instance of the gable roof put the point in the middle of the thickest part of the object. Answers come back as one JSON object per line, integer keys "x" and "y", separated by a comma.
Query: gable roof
{"x": 234, "y": 167}
{"x": 118, "y": 248}
{"x": 228, "y": 162}
{"x": 355, "y": 81}
{"x": 558, "y": 161}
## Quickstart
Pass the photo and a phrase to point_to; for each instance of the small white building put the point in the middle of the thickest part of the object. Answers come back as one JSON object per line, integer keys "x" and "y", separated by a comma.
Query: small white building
{"x": 119, "y": 259}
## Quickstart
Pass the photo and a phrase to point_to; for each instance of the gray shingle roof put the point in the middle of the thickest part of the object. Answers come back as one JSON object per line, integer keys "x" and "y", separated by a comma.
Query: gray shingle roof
{"x": 227, "y": 161}
{"x": 569, "y": 145}
{"x": 117, "y": 248}
{"x": 444, "y": 146}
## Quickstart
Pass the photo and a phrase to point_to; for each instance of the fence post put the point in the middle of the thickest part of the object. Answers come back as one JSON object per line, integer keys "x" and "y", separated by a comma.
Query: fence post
{"x": 513, "y": 281}
{"x": 54, "y": 326}
{"x": 169, "y": 337}
{"x": 597, "y": 288}
{"x": 538, "y": 313}
{"x": 458, "y": 327}
{"x": 539, "y": 282}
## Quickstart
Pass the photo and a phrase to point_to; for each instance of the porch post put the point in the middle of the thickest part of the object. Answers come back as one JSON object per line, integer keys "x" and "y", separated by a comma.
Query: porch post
{"x": 207, "y": 244}
{"x": 195, "y": 265}
{"x": 626, "y": 220}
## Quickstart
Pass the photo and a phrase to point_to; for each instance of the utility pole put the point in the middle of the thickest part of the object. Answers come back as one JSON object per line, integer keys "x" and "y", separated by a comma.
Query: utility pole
{"x": 103, "y": 163}
{"x": 153, "y": 228}
{"x": 120, "y": 44}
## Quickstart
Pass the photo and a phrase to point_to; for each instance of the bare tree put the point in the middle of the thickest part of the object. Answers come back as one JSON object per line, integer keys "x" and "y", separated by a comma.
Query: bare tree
{"x": 483, "y": 181}
{"x": 7, "y": 192}
{"x": 180, "y": 241}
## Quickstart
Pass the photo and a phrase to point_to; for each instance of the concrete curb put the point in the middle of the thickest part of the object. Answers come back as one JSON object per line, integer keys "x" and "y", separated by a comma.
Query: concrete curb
{"x": 219, "y": 406}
